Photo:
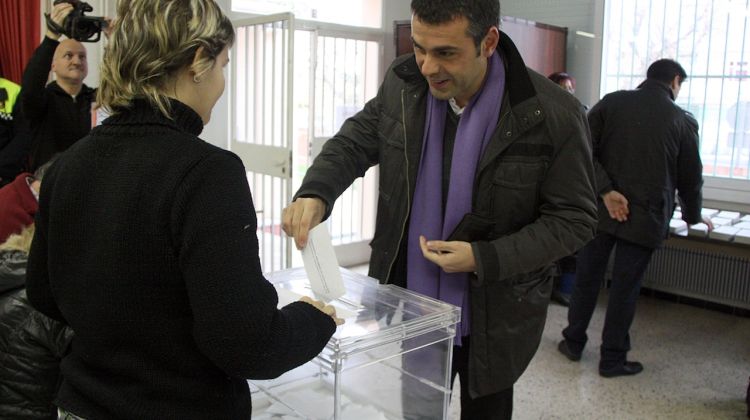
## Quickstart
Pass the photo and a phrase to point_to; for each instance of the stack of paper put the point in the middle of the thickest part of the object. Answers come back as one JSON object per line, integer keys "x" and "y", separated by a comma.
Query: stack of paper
{"x": 699, "y": 230}
{"x": 742, "y": 237}
{"x": 723, "y": 233}
{"x": 721, "y": 221}
{"x": 677, "y": 225}
{"x": 731, "y": 215}
{"x": 709, "y": 212}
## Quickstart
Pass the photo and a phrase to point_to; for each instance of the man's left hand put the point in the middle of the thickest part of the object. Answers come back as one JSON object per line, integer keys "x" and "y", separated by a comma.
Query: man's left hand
{"x": 452, "y": 257}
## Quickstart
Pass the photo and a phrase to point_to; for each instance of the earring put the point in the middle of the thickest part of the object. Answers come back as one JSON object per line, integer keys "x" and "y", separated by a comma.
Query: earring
{"x": 196, "y": 79}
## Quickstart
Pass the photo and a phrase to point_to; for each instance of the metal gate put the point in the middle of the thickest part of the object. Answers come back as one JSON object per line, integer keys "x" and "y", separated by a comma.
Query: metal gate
{"x": 285, "y": 104}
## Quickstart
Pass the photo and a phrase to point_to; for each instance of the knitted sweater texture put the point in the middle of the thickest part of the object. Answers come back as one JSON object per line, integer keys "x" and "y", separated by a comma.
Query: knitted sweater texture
{"x": 146, "y": 247}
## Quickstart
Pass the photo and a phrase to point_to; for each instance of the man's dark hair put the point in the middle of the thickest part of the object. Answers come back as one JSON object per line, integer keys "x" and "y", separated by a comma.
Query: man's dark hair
{"x": 665, "y": 70}
{"x": 481, "y": 14}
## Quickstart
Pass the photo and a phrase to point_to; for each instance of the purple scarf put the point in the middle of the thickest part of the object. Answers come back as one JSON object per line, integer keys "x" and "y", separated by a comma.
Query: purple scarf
{"x": 475, "y": 128}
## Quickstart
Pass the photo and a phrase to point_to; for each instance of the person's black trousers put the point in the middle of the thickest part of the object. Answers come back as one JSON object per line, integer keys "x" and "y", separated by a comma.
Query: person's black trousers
{"x": 630, "y": 263}
{"x": 421, "y": 403}
{"x": 498, "y": 406}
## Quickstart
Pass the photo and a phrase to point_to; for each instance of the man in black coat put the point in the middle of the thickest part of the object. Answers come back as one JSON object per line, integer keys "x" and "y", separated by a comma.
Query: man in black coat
{"x": 645, "y": 148}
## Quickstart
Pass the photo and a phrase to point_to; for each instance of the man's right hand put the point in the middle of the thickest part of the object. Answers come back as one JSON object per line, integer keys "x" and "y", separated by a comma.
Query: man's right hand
{"x": 302, "y": 215}
{"x": 59, "y": 12}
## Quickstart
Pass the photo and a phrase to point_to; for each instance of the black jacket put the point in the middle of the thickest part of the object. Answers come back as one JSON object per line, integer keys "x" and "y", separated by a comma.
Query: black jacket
{"x": 31, "y": 347}
{"x": 534, "y": 187}
{"x": 51, "y": 119}
{"x": 645, "y": 147}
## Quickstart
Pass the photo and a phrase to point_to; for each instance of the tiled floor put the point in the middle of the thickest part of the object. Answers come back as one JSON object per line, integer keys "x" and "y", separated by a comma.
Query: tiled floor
{"x": 697, "y": 364}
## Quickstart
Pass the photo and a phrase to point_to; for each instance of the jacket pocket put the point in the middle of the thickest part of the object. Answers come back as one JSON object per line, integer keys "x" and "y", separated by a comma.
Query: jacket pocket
{"x": 520, "y": 174}
{"x": 516, "y": 186}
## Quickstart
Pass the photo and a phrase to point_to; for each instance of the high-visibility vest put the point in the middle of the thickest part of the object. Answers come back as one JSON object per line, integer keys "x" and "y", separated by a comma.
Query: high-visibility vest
{"x": 13, "y": 90}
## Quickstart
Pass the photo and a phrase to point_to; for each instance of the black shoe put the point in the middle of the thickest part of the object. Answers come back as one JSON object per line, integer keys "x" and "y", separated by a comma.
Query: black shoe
{"x": 560, "y": 298}
{"x": 564, "y": 349}
{"x": 627, "y": 368}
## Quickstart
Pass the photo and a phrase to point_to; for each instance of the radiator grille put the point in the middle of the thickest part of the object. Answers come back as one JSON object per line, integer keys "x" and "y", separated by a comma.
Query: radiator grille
{"x": 700, "y": 274}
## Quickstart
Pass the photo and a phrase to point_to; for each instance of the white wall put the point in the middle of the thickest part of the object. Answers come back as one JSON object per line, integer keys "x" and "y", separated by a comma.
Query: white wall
{"x": 393, "y": 10}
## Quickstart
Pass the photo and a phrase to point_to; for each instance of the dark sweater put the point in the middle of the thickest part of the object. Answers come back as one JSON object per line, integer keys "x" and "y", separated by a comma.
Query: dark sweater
{"x": 51, "y": 120}
{"x": 146, "y": 246}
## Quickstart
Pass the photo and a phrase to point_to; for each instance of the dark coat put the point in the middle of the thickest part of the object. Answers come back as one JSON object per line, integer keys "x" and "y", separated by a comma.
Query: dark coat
{"x": 645, "y": 147}
{"x": 534, "y": 186}
{"x": 31, "y": 347}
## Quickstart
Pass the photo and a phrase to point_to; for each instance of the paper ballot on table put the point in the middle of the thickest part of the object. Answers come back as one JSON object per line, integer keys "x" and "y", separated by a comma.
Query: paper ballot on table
{"x": 321, "y": 265}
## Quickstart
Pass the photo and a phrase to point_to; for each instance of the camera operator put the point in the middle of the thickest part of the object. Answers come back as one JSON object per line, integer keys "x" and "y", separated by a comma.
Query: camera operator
{"x": 57, "y": 114}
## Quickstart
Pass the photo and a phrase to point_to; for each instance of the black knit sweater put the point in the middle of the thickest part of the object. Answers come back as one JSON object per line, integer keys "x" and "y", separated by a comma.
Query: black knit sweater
{"x": 146, "y": 246}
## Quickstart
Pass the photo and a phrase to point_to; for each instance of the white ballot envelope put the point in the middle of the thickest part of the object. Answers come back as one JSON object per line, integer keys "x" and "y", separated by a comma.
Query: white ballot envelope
{"x": 321, "y": 265}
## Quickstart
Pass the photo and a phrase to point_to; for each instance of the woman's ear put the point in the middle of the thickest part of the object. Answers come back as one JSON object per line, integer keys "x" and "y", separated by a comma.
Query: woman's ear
{"x": 200, "y": 55}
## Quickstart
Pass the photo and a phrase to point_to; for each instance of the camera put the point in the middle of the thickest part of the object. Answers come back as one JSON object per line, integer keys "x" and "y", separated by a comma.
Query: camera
{"x": 76, "y": 25}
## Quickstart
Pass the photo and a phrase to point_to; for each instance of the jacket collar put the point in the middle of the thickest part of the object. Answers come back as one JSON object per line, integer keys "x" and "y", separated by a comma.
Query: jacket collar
{"x": 85, "y": 90}
{"x": 141, "y": 112}
{"x": 521, "y": 108}
{"x": 657, "y": 86}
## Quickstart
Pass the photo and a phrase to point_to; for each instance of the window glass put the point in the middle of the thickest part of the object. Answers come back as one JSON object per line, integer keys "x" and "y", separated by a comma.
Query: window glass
{"x": 711, "y": 39}
{"x": 363, "y": 13}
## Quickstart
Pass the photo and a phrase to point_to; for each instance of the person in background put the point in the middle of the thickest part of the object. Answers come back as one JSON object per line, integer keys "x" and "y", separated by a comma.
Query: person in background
{"x": 486, "y": 180}
{"x": 10, "y": 162}
{"x": 564, "y": 80}
{"x": 146, "y": 243}
{"x": 55, "y": 115}
{"x": 32, "y": 345}
{"x": 645, "y": 149}
{"x": 19, "y": 201}
{"x": 563, "y": 284}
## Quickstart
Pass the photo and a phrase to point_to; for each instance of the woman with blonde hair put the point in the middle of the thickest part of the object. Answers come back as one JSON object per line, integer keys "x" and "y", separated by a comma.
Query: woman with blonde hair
{"x": 146, "y": 242}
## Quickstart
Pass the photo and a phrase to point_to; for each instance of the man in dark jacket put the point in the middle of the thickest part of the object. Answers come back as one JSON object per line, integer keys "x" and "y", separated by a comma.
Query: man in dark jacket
{"x": 645, "y": 147}
{"x": 55, "y": 115}
{"x": 485, "y": 181}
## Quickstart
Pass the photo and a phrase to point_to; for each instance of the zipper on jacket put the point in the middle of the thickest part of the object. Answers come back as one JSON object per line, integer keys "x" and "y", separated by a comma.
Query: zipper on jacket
{"x": 408, "y": 195}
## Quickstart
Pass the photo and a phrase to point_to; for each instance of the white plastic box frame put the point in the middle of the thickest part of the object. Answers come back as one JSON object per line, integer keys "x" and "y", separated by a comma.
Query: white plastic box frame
{"x": 390, "y": 360}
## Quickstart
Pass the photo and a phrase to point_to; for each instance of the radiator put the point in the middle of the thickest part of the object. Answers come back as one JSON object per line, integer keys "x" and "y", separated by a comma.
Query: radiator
{"x": 711, "y": 275}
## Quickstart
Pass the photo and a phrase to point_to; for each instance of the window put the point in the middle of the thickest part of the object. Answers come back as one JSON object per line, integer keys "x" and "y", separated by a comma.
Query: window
{"x": 711, "y": 39}
{"x": 363, "y": 13}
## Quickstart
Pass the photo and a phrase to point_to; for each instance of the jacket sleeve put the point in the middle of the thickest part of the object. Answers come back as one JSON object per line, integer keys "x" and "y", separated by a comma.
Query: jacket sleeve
{"x": 596, "y": 125}
{"x": 690, "y": 172}
{"x": 236, "y": 321}
{"x": 38, "y": 289}
{"x": 34, "y": 80}
{"x": 12, "y": 269}
{"x": 344, "y": 157}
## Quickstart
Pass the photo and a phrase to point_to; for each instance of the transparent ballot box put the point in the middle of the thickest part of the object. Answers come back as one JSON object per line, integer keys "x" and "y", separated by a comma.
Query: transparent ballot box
{"x": 390, "y": 360}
